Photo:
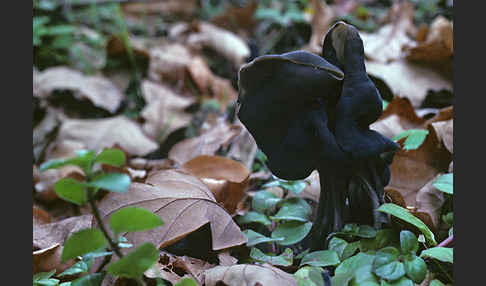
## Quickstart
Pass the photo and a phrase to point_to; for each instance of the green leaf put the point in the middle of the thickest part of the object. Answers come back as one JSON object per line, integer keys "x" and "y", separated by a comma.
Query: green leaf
{"x": 284, "y": 259}
{"x": 44, "y": 279}
{"x": 291, "y": 231}
{"x": 343, "y": 248}
{"x": 134, "y": 219}
{"x": 383, "y": 238}
{"x": 364, "y": 277}
{"x": 296, "y": 209}
{"x": 113, "y": 157}
{"x": 309, "y": 276}
{"x": 436, "y": 282}
{"x": 386, "y": 264}
{"x": 94, "y": 279}
{"x": 321, "y": 258}
{"x": 445, "y": 183}
{"x": 79, "y": 267}
{"x": 82, "y": 242}
{"x": 255, "y": 238}
{"x": 295, "y": 187}
{"x": 353, "y": 230}
{"x": 134, "y": 264}
{"x": 114, "y": 182}
{"x": 186, "y": 282}
{"x": 405, "y": 215}
{"x": 252, "y": 216}
{"x": 444, "y": 254}
{"x": 415, "y": 268}
{"x": 71, "y": 190}
{"x": 264, "y": 201}
{"x": 404, "y": 281}
{"x": 415, "y": 138}
{"x": 83, "y": 160}
{"x": 347, "y": 269}
{"x": 408, "y": 242}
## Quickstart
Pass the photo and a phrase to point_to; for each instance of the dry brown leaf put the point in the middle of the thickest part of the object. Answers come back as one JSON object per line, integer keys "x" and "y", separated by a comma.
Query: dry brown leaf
{"x": 100, "y": 91}
{"x": 207, "y": 143}
{"x": 226, "y": 178}
{"x": 438, "y": 44}
{"x": 45, "y": 260}
{"x": 237, "y": 19}
{"x": 169, "y": 63}
{"x": 151, "y": 165}
{"x": 244, "y": 147}
{"x": 97, "y": 134}
{"x": 183, "y": 202}
{"x": 165, "y": 7}
{"x": 224, "y": 42}
{"x": 225, "y": 259}
{"x": 164, "y": 110}
{"x": 398, "y": 116}
{"x": 445, "y": 132}
{"x": 249, "y": 275}
{"x": 444, "y": 114}
{"x": 386, "y": 44}
{"x": 323, "y": 15}
{"x": 429, "y": 200}
{"x": 408, "y": 79}
{"x": 411, "y": 170}
{"x": 41, "y": 132}
{"x": 40, "y": 216}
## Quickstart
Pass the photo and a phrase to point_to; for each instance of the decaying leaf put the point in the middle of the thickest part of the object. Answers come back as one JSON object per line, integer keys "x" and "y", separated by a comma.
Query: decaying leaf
{"x": 183, "y": 202}
{"x": 229, "y": 45}
{"x": 408, "y": 79}
{"x": 40, "y": 216}
{"x": 207, "y": 143}
{"x": 386, "y": 44}
{"x": 237, "y": 19}
{"x": 438, "y": 45}
{"x": 47, "y": 259}
{"x": 166, "y": 7}
{"x": 411, "y": 170}
{"x": 100, "y": 91}
{"x": 97, "y": 134}
{"x": 226, "y": 178}
{"x": 225, "y": 259}
{"x": 321, "y": 21}
{"x": 445, "y": 131}
{"x": 429, "y": 200}
{"x": 164, "y": 110}
{"x": 398, "y": 116}
{"x": 247, "y": 274}
{"x": 168, "y": 62}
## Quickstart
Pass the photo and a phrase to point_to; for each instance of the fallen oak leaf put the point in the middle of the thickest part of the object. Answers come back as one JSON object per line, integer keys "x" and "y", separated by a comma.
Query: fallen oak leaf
{"x": 183, "y": 202}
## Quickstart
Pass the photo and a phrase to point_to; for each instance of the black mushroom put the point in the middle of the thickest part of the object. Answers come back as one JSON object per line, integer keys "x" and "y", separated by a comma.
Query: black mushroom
{"x": 307, "y": 113}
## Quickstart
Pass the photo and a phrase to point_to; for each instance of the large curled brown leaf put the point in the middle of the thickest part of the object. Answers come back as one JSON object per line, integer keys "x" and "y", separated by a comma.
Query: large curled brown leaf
{"x": 97, "y": 134}
{"x": 248, "y": 275}
{"x": 183, "y": 202}
{"x": 226, "y": 178}
{"x": 164, "y": 110}
{"x": 100, "y": 91}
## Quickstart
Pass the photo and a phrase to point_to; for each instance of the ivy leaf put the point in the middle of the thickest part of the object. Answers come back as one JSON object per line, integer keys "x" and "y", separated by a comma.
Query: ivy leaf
{"x": 445, "y": 183}
{"x": 134, "y": 264}
{"x": 444, "y": 254}
{"x": 255, "y": 238}
{"x": 71, "y": 190}
{"x": 321, "y": 258}
{"x": 291, "y": 231}
{"x": 114, "y": 182}
{"x": 405, "y": 215}
{"x": 134, "y": 219}
{"x": 113, "y": 157}
{"x": 82, "y": 242}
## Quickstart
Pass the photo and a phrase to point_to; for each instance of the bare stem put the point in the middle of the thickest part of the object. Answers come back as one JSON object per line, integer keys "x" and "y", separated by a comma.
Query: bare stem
{"x": 447, "y": 241}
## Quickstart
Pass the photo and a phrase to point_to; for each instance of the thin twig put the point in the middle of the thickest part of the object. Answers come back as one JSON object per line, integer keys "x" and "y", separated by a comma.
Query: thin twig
{"x": 446, "y": 242}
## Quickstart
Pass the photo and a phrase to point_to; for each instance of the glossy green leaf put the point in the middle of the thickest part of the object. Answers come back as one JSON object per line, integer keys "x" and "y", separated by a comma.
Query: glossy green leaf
{"x": 296, "y": 209}
{"x": 445, "y": 183}
{"x": 114, "y": 182}
{"x": 93, "y": 279}
{"x": 252, "y": 216}
{"x": 186, "y": 282}
{"x": 347, "y": 269}
{"x": 134, "y": 264}
{"x": 364, "y": 277}
{"x": 415, "y": 268}
{"x": 383, "y": 238}
{"x": 321, "y": 258}
{"x": 79, "y": 267}
{"x": 44, "y": 279}
{"x": 113, "y": 157}
{"x": 436, "y": 282}
{"x": 291, "y": 231}
{"x": 309, "y": 276}
{"x": 391, "y": 271}
{"x": 444, "y": 254}
{"x": 408, "y": 242}
{"x": 255, "y": 238}
{"x": 264, "y": 201}
{"x": 415, "y": 138}
{"x": 284, "y": 259}
{"x": 354, "y": 230}
{"x": 134, "y": 219}
{"x": 71, "y": 190}
{"x": 404, "y": 281}
{"x": 82, "y": 242}
{"x": 405, "y": 215}
{"x": 83, "y": 160}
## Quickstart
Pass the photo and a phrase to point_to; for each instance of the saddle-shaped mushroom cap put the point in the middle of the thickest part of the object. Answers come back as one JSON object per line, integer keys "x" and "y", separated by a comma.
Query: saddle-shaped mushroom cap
{"x": 277, "y": 94}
